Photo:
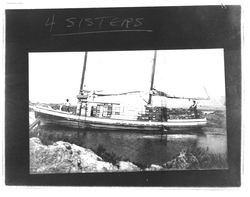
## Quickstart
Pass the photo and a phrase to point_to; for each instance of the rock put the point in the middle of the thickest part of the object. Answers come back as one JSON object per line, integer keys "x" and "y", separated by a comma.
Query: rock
{"x": 154, "y": 167}
{"x": 67, "y": 145}
{"x": 63, "y": 157}
{"x": 169, "y": 164}
{"x": 35, "y": 141}
{"x": 127, "y": 166}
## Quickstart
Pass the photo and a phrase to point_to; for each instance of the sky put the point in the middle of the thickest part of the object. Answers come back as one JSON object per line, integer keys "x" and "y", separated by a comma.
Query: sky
{"x": 56, "y": 76}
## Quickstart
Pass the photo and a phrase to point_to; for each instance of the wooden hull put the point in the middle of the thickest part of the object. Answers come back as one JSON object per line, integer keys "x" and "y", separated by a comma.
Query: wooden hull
{"x": 55, "y": 117}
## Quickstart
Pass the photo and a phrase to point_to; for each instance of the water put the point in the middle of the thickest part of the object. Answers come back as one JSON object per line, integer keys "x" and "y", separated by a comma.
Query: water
{"x": 140, "y": 148}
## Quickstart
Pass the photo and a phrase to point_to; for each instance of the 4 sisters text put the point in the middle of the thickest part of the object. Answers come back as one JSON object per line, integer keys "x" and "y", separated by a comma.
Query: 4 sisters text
{"x": 94, "y": 23}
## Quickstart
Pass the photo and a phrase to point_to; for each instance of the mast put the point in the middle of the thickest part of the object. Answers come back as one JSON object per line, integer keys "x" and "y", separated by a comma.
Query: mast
{"x": 80, "y": 96}
{"x": 152, "y": 78}
{"x": 83, "y": 72}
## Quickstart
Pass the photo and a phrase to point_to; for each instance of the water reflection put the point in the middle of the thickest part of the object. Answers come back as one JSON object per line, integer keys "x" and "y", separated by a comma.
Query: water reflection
{"x": 137, "y": 147}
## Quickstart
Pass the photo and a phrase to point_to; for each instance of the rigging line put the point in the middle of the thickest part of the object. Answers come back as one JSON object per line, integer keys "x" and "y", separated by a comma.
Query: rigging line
{"x": 208, "y": 97}
{"x": 152, "y": 77}
{"x": 143, "y": 99}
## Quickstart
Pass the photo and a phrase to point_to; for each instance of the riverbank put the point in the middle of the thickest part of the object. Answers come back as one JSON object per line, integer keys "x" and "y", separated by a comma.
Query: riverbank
{"x": 63, "y": 157}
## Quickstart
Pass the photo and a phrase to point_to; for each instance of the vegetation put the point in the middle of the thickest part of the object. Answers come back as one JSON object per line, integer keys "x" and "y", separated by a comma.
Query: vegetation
{"x": 208, "y": 160}
{"x": 196, "y": 159}
{"x": 217, "y": 119}
{"x": 188, "y": 159}
{"x": 108, "y": 157}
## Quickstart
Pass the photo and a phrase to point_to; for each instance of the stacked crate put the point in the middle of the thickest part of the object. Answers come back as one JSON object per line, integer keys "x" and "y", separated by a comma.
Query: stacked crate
{"x": 105, "y": 110}
{"x": 181, "y": 113}
{"x": 158, "y": 114}
{"x": 145, "y": 116}
{"x": 98, "y": 110}
{"x": 94, "y": 112}
{"x": 109, "y": 110}
{"x": 151, "y": 113}
{"x": 115, "y": 112}
{"x": 155, "y": 114}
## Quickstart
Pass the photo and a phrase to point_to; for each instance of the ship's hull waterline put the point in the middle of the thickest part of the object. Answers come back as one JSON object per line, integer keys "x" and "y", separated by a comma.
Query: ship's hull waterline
{"x": 59, "y": 118}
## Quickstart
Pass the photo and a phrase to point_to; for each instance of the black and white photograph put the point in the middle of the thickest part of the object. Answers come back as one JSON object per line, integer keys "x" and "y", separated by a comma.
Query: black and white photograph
{"x": 123, "y": 96}
{"x": 118, "y": 111}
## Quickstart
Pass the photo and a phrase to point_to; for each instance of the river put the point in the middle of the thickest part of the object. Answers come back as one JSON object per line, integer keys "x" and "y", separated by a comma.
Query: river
{"x": 142, "y": 148}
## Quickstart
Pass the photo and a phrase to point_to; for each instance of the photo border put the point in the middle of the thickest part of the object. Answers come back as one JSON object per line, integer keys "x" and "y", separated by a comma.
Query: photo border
{"x": 180, "y": 27}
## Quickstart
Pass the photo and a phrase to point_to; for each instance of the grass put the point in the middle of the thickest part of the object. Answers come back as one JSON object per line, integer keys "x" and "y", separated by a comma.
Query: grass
{"x": 108, "y": 157}
{"x": 114, "y": 159}
{"x": 205, "y": 159}
{"x": 208, "y": 160}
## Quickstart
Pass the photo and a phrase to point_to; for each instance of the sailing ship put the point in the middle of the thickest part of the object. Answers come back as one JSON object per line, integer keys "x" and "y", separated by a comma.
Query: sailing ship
{"x": 100, "y": 115}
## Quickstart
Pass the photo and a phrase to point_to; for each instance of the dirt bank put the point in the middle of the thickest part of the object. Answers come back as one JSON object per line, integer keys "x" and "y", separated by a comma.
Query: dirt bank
{"x": 63, "y": 157}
